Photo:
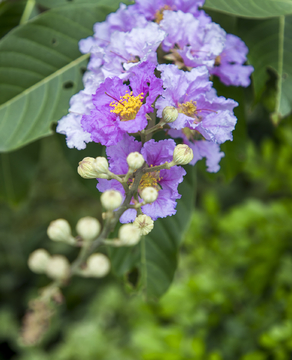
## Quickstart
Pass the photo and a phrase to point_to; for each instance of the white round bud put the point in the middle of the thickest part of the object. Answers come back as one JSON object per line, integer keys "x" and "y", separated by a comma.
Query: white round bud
{"x": 98, "y": 265}
{"x": 38, "y": 260}
{"x": 135, "y": 160}
{"x": 88, "y": 228}
{"x": 58, "y": 267}
{"x": 182, "y": 154}
{"x": 59, "y": 230}
{"x": 144, "y": 223}
{"x": 169, "y": 114}
{"x": 101, "y": 165}
{"x": 129, "y": 235}
{"x": 87, "y": 169}
{"x": 149, "y": 194}
{"x": 111, "y": 199}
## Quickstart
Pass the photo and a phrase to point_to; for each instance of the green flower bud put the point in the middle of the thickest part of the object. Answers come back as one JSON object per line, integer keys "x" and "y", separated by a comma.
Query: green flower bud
{"x": 88, "y": 228}
{"x": 182, "y": 154}
{"x": 38, "y": 261}
{"x": 111, "y": 199}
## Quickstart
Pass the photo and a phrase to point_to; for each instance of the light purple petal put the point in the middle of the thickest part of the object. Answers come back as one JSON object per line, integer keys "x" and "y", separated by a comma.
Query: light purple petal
{"x": 157, "y": 153}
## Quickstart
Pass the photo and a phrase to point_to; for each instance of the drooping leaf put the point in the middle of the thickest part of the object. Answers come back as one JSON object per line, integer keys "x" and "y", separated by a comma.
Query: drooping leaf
{"x": 17, "y": 169}
{"x": 10, "y": 15}
{"x": 159, "y": 249}
{"x": 270, "y": 46}
{"x": 156, "y": 255}
{"x": 40, "y": 69}
{"x": 251, "y": 8}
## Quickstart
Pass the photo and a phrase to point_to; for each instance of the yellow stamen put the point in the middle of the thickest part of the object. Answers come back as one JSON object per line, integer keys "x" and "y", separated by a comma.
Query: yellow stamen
{"x": 159, "y": 13}
{"x": 133, "y": 59}
{"x": 128, "y": 106}
{"x": 217, "y": 60}
{"x": 150, "y": 179}
{"x": 188, "y": 108}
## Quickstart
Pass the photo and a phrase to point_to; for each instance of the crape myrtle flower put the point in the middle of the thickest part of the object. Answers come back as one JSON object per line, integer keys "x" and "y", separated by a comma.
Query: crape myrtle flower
{"x": 164, "y": 181}
{"x": 121, "y": 108}
{"x": 192, "y": 41}
{"x": 124, "y": 19}
{"x": 198, "y": 105}
{"x": 128, "y": 49}
{"x": 229, "y": 64}
{"x": 154, "y": 9}
{"x": 201, "y": 148}
{"x": 80, "y": 103}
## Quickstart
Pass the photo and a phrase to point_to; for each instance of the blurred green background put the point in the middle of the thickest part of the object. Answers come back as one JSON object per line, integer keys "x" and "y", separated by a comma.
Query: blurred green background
{"x": 232, "y": 294}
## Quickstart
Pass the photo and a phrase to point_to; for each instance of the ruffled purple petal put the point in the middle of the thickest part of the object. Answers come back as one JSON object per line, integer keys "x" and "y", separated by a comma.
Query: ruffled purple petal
{"x": 209, "y": 150}
{"x": 217, "y": 127}
{"x": 118, "y": 153}
{"x": 128, "y": 216}
{"x": 162, "y": 207}
{"x": 171, "y": 178}
{"x": 76, "y": 137}
{"x": 157, "y": 153}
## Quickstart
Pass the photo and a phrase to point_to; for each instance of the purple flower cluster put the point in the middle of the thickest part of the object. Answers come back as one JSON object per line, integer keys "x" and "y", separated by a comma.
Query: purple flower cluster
{"x": 165, "y": 181}
{"x": 128, "y": 83}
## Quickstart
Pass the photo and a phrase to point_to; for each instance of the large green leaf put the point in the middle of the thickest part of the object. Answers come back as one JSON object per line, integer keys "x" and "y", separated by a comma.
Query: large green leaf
{"x": 270, "y": 46}
{"x": 17, "y": 170}
{"x": 159, "y": 249}
{"x": 10, "y": 15}
{"x": 156, "y": 255}
{"x": 251, "y": 8}
{"x": 40, "y": 69}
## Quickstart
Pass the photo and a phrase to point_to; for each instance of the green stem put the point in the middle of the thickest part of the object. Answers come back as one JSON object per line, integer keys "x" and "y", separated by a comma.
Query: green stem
{"x": 27, "y": 11}
{"x": 166, "y": 165}
{"x": 280, "y": 62}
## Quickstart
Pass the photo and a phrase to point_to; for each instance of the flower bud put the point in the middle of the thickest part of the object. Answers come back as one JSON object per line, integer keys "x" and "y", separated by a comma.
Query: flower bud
{"x": 135, "y": 160}
{"x": 149, "y": 194}
{"x": 98, "y": 265}
{"x": 111, "y": 199}
{"x": 38, "y": 260}
{"x": 87, "y": 169}
{"x": 144, "y": 223}
{"x": 58, "y": 267}
{"x": 129, "y": 235}
{"x": 169, "y": 114}
{"x": 101, "y": 165}
{"x": 59, "y": 230}
{"x": 182, "y": 154}
{"x": 88, "y": 228}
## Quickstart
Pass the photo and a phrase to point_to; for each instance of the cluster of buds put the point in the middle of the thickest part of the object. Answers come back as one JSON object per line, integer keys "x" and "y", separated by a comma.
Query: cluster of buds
{"x": 56, "y": 266}
{"x": 130, "y": 234}
{"x": 88, "y": 228}
{"x": 93, "y": 168}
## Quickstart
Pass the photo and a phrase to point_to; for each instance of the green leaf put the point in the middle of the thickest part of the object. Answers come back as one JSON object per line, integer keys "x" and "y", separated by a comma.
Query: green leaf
{"x": 251, "y": 8}
{"x": 73, "y": 156}
{"x": 159, "y": 249}
{"x": 10, "y": 15}
{"x": 58, "y": 3}
{"x": 40, "y": 69}
{"x": 156, "y": 255}
{"x": 17, "y": 169}
{"x": 270, "y": 46}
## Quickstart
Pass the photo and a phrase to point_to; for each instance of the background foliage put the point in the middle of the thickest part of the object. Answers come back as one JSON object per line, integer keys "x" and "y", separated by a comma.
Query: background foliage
{"x": 231, "y": 298}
